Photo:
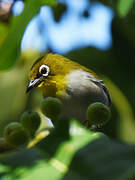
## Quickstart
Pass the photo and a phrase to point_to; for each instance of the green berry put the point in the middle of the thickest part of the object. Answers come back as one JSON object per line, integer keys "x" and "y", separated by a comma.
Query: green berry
{"x": 98, "y": 114}
{"x": 31, "y": 122}
{"x": 15, "y": 134}
{"x": 51, "y": 107}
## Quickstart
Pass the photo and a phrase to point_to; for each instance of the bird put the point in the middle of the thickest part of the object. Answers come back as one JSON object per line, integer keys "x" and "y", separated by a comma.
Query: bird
{"x": 74, "y": 84}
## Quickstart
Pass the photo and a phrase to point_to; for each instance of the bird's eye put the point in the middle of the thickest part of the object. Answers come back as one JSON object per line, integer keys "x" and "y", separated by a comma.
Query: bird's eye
{"x": 44, "y": 70}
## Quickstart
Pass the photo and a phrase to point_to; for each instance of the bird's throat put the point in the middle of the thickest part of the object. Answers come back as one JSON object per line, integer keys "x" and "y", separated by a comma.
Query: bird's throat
{"x": 55, "y": 87}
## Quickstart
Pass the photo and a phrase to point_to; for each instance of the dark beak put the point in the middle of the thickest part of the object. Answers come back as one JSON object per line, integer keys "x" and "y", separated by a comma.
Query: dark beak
{"x": 33, "y": 83}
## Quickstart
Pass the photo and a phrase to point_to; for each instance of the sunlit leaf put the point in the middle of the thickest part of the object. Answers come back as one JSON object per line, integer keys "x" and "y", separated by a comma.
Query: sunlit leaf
{"x": 124, "y": 6}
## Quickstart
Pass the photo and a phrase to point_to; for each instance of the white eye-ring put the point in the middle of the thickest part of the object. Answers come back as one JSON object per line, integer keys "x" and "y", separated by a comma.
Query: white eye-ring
{"x": 44, "y": 70}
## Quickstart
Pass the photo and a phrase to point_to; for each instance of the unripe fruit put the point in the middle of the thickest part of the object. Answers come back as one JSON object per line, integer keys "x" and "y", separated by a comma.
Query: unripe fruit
{"x": 15, "y": 134}
{"x": 31, "y": 122}
{"x": 98, "y": 114}
{"x": 51, "y": 107}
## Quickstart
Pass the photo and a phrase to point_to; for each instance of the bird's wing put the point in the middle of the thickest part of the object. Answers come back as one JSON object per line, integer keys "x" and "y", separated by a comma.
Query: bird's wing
{"x": 83, "y": 84}
{"x": 101, "y": 83}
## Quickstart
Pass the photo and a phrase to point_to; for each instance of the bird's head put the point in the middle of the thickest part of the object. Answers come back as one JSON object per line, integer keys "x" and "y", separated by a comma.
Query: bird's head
{"x": 49, "y": 74}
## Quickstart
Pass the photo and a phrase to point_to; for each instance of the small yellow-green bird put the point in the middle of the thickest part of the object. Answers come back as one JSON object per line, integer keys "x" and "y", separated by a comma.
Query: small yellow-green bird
{"x": 75, "y": 85}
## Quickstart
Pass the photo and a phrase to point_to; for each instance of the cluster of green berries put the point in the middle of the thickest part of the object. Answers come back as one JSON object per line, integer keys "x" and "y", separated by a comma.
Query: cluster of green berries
{"x": 20, "y": 133}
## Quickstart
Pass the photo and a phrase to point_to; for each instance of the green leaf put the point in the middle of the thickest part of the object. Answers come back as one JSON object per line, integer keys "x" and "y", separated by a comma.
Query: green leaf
{"x": 124, "y": 6}
{"x": 40, "y": 162}
{"x": 49, "y": 2}
{"x": 103, "y": 158}
{"x": 10, "y": 49}
{"x": 84, "y": 155}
